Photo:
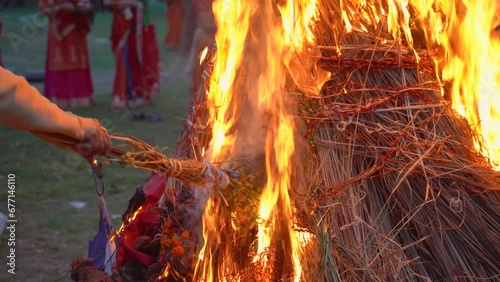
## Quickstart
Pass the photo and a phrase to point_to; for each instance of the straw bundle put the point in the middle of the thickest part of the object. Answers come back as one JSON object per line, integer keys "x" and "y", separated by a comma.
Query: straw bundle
{"x": 144, "y": 156}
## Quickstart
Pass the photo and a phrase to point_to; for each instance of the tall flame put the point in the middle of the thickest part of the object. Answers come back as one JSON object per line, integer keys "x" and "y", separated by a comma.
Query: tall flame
{"x": 232, "y": 19}
{"x": 288, "y": 43}
{"x": 279, "y": 43}
{"x": 472, "y": 65}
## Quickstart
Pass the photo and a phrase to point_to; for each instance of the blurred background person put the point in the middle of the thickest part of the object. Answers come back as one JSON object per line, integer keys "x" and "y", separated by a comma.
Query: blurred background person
{"x": 68, "y": 81}
{"x": 188, "y": 27}
{"x": 175, "y": 15}
{"x": 127, "y": 21}
{"x": 204, "y": 35}
{"x": 151, "y": 56}
{"x": 133, "y": 35}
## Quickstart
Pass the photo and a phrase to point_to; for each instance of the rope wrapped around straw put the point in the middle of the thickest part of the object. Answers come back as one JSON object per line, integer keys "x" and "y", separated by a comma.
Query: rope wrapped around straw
{"x": 144, "y": 156}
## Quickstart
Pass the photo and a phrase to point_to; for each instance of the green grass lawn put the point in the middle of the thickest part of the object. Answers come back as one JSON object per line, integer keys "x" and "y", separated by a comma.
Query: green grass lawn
{"x": 49, "y": 232}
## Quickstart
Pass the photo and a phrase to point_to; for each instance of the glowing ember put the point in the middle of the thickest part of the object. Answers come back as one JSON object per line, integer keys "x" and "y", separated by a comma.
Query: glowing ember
{"x": 166, "y": 273}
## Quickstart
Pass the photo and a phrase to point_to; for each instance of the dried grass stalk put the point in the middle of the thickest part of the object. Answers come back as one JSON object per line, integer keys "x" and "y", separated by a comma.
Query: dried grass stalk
{"x": 144, "y": 156}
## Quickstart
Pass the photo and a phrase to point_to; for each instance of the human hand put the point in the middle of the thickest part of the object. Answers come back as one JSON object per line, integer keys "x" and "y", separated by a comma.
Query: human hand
{"x": 96, "y": 141}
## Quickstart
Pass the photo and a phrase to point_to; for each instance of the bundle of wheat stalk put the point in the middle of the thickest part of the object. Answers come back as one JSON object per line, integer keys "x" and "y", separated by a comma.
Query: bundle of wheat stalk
{"x": 397, "y": 190}
{"x": 143, "y": 156}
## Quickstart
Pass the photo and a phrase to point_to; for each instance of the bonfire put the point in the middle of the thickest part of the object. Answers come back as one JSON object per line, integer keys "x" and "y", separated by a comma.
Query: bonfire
{"x": 328, "y": 141}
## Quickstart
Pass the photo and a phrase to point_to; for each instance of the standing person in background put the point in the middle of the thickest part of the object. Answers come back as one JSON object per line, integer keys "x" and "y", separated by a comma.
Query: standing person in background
{"x": 188, "y": 27}
{"x": 204, "y": 35}
{"x": 175, "y": 15}
{"x": 68, "y": 82}
{"x": 136, "y": 75}
{"x": 151, "y": 55}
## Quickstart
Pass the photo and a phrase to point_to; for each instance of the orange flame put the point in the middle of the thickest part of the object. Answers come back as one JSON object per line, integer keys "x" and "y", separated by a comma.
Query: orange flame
{"x": 471, "y": 63}
{"x": 232, "y": 19}
{"x": 286, "y": 46}
{"x": 233, "y": 22}
{"x": 289, "y": 43}
{"x": 124, "y": 224}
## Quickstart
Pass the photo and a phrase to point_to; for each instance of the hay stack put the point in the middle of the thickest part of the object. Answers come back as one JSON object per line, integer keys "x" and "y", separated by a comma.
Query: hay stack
{"x": 396, "y": 190}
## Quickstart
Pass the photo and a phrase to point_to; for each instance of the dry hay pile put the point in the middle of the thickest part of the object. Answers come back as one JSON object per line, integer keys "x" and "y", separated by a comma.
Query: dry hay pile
{"x": 396, "y": 190}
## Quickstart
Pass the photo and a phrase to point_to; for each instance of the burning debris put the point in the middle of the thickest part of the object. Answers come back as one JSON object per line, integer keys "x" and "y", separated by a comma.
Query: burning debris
{"x": 353, "y": 166}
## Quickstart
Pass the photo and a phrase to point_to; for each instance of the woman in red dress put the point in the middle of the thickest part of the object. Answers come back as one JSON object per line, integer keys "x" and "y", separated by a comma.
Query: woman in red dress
{"x": 68, "y": 82}
{"x": 133, "y": 42}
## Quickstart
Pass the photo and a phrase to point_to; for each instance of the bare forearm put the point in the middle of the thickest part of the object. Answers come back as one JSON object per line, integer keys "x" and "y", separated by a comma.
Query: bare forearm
{"x": 22, "y": 107}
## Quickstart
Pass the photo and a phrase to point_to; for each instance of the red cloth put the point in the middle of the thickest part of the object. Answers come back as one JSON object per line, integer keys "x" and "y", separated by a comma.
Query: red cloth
{"x": 120, "y": 29}
{"x": 82, "y": 23}
{"x": 145, "y": 224}
{"x": 69, "y": 88}
{"x": 175, "y": 15}
{"x": 151, "y": 63}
